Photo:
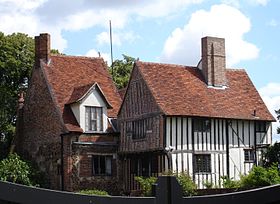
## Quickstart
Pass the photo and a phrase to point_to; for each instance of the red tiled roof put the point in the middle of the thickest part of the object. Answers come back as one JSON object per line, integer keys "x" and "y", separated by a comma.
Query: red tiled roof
{"x": 65, "y": 73}
{"x": 181, "y": 90}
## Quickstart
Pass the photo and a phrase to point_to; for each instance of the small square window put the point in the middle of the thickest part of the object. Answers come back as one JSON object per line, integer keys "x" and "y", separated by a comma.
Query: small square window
{"x": 260, "y": 126}
{"x": 249, "y": 155}
{"x": 102, "y": 165}
{"x": 202, "y": 163}
{"x": 201, "y": 125}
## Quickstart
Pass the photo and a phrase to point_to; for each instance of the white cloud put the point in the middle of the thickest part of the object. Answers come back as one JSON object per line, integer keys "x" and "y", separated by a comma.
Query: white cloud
{"x": 236, "y": 3}
{"x": 94, "y": 53}
{"x": 271, "y": 96}
{"x": 183, "y": 45}
{"x": 272, "y": 23}
{"x": 260, "y": 2}
{"x": 52, "y": 16}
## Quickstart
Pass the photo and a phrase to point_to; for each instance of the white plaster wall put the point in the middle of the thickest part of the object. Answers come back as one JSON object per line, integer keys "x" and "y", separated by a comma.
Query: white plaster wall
{"x": 92, "y": 99}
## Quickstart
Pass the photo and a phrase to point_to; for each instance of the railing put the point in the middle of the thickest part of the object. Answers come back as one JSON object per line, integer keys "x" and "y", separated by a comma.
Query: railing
{"x": 167, "y": 191}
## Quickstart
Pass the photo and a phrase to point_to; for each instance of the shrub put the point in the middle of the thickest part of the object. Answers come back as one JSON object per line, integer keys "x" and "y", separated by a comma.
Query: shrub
{"x": 260, "y": 176}
{"x": 208, "y": 184}
{"x": 187, "y": 184}
{"x": 15, "y": 170}
{"x": 94, "y": 192}
{"x": 185, "y": 181}
{"x": 229, "y": 182}
{"x": 146, "y": 184}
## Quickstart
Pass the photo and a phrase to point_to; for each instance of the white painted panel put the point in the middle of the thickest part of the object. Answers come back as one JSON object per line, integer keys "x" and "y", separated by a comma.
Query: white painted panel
{"x": 246, "y": 133}
{"x": 173, "y": 156}
{"x": 179, "y": 160}
{"x": 76, "y": 111}
{"x": 173, "y": 132}
{"x": 190, "y": 164}
{"x": 189, "y": 122}
{"x": 179, "y": 133}
{"x": 185, "y": 146}
{"x": 185, "y": 162}
{"x": 167, "y": 132}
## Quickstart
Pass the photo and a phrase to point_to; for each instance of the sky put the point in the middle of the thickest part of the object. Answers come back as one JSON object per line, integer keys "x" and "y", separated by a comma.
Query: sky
{"x": 160, "y": 31}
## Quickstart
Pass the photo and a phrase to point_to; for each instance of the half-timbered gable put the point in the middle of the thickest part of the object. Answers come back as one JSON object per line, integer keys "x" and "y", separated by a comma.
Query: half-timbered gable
{"x": 140, "y": 117}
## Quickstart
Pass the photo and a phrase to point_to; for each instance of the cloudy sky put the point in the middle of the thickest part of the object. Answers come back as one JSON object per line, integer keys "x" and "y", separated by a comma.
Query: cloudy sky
{"x": 160, "y": 31}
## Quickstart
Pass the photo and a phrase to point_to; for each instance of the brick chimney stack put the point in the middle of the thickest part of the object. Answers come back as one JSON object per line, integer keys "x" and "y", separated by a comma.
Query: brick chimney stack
{"x": 214, "y": 61}
{"x": 42, "y": 48}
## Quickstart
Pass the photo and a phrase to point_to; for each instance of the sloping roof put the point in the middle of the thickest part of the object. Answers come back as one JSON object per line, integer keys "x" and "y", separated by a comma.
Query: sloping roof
{"x": 67, "y": 73}
{"x": 79, "y": 93}
{"x": 181, "y": 90}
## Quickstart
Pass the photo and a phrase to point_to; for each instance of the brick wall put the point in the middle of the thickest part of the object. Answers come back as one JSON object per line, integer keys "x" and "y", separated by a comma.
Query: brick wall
{"x": 39, "y": 136}
{"x": 213, "y": 61}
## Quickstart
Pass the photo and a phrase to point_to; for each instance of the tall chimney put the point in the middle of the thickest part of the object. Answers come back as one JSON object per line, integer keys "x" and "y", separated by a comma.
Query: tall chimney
{"x": 42, "y": 48}
{"x": 214, "y": 61}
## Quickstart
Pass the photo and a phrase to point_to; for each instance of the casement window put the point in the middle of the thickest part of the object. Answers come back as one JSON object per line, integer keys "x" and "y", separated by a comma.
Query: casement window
{"x": 102, "y": 165}
{"x": 260, "y": 126}
{"x": 249, "y": 155}
{"x": 202, "y": 163}
{"x": 201, "y": 125}
{"x": 94, "y": 119}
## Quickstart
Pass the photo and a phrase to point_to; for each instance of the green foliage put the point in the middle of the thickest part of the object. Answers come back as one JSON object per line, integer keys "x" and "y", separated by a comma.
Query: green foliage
{"x": 185, "y": 181}
{"x": 94, "y": 192}
{"x": 16, "y": 62}
{"x": 121, "y": 71}
{"x": 187, "y": 184}
{"x": 13, "y": 169}
{"x": 208, "y": 185}
{"x": 272, "y": 155}
{"x": 260, "y": 176}
{"x": 230, "y": 183}
{"x": 146, "y": 184}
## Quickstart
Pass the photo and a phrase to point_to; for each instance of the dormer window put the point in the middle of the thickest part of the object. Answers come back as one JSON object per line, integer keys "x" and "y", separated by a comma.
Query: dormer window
{"x": 94, "y": 119}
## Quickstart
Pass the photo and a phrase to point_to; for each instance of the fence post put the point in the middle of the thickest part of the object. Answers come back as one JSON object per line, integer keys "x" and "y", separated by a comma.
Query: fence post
{"x": 168, "y": 191}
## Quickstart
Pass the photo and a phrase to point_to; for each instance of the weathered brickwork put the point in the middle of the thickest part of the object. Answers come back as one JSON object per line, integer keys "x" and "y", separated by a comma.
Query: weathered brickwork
{"x": 39, "y": 137}
{"x": 82, "y": 173}
{"x": 214, "y": 61}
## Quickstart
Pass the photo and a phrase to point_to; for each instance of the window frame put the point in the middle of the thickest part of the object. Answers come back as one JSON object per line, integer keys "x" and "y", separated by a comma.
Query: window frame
{"x": 98, "y": 171}
{"x": 98, "y": 119}
{"x": 204, "y": 166}
{"x": 250, "y": 158}
{"x": 261, "y": 126}
{"x": 201, "y": 125}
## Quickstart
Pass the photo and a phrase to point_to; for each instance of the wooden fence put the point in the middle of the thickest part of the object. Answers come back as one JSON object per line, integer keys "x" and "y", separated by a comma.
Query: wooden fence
{"x": 167, "y": 191}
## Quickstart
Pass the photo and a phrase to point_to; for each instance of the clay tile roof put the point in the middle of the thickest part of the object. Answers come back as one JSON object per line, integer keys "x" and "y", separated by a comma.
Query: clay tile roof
{"x": 67, "y": 73}
{"x": 181, "y": 90}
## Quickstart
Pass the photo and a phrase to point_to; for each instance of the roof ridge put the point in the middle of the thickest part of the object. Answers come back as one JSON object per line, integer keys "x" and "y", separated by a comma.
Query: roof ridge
{"x": 72, "y": 56}
{"x": 169, "y": 64}
{"x": 236, "y": 69}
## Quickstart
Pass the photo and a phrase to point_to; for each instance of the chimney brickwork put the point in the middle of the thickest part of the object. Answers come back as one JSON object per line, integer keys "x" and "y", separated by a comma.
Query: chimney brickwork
{"x": 42, "y": 48}
{"x": 214, "y": 61}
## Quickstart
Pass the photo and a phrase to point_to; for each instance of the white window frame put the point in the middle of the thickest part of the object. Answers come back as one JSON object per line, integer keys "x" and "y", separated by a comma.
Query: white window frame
{"x": 93, "y": 119}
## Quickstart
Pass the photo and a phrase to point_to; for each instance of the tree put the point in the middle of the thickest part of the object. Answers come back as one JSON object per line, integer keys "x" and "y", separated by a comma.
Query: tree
{"x": 272, "y": 155}
{"x": 278, "y": 118}
{"x": 120, "y": 71}
{"x": 16, "y": 62}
